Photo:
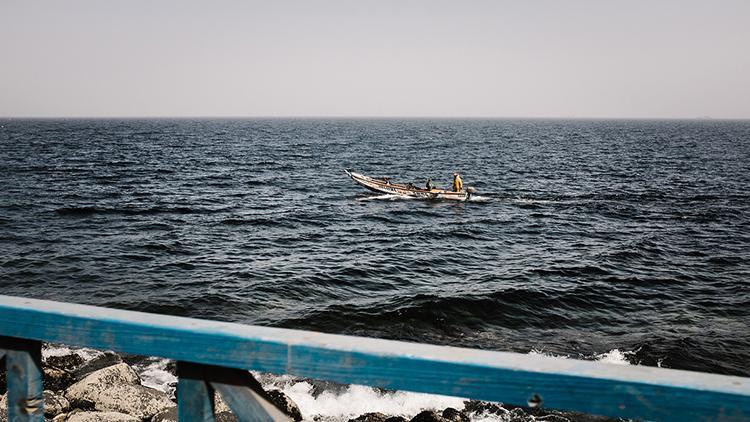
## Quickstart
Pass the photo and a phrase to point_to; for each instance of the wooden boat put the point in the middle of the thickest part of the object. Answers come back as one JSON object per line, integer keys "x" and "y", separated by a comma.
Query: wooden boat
{"x": 384, "y": 185}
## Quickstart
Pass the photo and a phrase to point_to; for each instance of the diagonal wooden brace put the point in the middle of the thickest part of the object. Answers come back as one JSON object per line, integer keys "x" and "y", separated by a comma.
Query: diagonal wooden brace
{"x": 243, "y": 394}
{"x": 23, "y": 361}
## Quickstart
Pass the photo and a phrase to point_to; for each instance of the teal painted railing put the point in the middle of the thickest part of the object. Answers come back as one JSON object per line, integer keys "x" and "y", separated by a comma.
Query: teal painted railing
{"x": 214, "y": 356}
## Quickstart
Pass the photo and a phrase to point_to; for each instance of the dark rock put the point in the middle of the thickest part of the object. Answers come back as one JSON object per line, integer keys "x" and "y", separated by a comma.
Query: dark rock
{"x": 135, "y": 360}
{"x": 3, "y": 385}
{"x": 284, "y": 403}
{"x": 396, "y": 419}
{"x": 428, "y": 416}
{"x": 171, "y": 367}
{"x": 370, "y": 417}
{"x": 320, "y": 386}
{"x": 57, "y": 379}
{"x": 67, "y": 362}
{"x": 519, "y": 415}
{"x": 170, "y": 415}
{"x": 102, "y": 361}
{"x": 483, "y": 407}
{"x": 553, "y": 418}
{"x": 3, "y": 406}
{"x": 173, "y": 388}
{"x": 454, "y": 415}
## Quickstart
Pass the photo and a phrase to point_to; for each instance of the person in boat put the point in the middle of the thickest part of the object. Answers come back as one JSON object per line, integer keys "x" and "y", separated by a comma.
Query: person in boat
{"x": 429, "y": 185}
{"x": 458, "y": 184}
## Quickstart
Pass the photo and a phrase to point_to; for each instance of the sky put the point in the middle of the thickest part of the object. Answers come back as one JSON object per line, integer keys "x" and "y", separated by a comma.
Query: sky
{"x": 599, "y": 59}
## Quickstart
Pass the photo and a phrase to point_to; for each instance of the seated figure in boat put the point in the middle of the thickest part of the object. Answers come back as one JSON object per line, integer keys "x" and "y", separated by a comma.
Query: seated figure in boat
{"x": 458, "y": 184}
{"x": 429, "y": 185}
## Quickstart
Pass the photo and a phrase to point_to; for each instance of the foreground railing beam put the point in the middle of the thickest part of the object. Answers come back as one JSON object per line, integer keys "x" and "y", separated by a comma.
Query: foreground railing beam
{"x": 23, "y": 362}
{"x": 589, "y": 387}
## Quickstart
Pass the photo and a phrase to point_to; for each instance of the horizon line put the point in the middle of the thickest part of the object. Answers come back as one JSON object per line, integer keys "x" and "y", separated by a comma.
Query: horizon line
{"x": 363, "y": 117}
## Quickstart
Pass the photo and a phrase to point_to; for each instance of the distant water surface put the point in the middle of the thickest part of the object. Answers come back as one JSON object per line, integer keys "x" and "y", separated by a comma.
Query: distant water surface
{"x": 590, "y": 236}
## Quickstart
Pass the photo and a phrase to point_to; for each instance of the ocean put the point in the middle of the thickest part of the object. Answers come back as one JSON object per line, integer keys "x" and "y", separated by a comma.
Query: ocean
{"x": 618, "y": 240}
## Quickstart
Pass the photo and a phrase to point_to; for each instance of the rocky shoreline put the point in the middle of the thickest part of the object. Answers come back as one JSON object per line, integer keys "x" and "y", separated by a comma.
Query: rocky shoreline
{"x": 107, "y": 388}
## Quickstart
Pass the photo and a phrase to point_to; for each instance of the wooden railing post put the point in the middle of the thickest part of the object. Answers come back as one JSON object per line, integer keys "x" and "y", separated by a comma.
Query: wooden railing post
{"x": 23, "y": 361}
{"x": 244, "y": 395}
{"x": 195, "y": 397}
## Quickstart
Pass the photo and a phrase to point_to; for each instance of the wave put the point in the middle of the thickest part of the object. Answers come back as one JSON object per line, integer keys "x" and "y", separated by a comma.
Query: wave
{"x": 259, "y": 221}
{"x": 394, "y": 197}
{"x": 614, "y": 356}
{"x": 343, "y": 404}
{"x": 439, "y": 318}
{"x": 77, "y": 211}
{"x": 479, "y": 198}
{"x": 386, "y": 197}
{"x": 85, "y": 211}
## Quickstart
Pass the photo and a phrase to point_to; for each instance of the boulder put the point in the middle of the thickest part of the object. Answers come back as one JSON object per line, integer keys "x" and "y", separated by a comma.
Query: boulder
{"x": 225, "y": 417}
{"x": 136, "y": 400}
{"x": 428, "y": 416}
{"x": 101, "y": 361}
{"x": 170, "y": 415}
{"x": 370, "y": 417}
{"x": 454, "y": 415}
{"x": 85, "y": 392}
{"x": 284, "y": 403}
{"x": 84, "y": 416}
{"x": 396, "y": 419}
{"x": 54, "y": 404}
{"x": 220, "y": 405}
{"x": 117, "y": 388}
{"x": 3, "y": 409}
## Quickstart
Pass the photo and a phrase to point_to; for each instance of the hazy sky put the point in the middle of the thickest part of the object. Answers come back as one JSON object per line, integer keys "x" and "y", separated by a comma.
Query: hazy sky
{"x": 375, "y": 58}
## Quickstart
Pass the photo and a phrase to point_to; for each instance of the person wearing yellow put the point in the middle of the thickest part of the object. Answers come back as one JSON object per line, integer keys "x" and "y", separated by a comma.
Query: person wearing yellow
{"x": 458, "y": 184}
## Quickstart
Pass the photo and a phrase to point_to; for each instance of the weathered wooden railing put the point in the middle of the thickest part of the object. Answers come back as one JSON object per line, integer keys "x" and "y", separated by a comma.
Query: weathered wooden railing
{"x": 214, "y": 356}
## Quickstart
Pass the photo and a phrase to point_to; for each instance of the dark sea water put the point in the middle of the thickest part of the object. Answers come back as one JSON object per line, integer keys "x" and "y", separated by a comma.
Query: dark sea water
{"x": 589, "y": 236}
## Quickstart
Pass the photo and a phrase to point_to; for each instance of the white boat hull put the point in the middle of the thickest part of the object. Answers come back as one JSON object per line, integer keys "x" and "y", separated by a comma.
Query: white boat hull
{"x": 385, "y": 186}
